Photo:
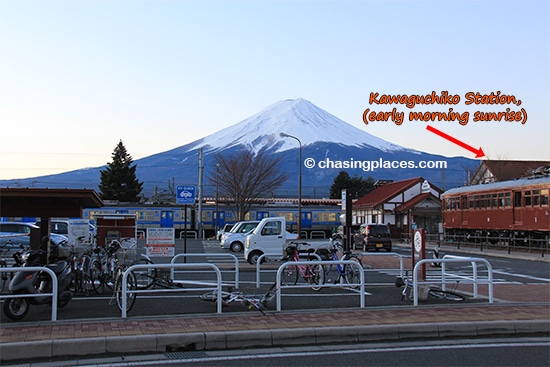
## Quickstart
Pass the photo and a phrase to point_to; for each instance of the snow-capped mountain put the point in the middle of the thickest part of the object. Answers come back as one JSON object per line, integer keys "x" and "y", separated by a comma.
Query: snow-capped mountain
{"x": 323, "y": 136}
{"x": 299, "y": 118}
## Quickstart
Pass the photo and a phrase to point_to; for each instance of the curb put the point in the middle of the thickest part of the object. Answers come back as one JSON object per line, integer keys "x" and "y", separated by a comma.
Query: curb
{"x": 224, "y": 340}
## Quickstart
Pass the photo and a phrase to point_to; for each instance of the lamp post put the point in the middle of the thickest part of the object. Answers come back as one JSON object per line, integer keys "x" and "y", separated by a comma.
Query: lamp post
{"x": 284, "y": 135}
{"x": 217, "y": 198}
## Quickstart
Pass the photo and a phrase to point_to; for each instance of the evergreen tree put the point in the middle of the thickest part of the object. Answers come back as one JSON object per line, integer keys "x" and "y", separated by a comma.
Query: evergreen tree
{"x": 356, "y": 186}
{"x": 119, "y": 180}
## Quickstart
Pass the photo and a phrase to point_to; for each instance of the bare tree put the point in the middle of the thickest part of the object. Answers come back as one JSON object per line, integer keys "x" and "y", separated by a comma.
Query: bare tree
{"x": 245, "y": 177}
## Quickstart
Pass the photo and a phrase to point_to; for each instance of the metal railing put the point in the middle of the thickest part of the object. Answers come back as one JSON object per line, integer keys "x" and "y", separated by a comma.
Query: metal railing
{"x": 475, "y": 279}
{"x": 207, "y": 255}
{"x": 218, "y": 284}
{"x": 32, "y": 269}
{"x": 316, "y": 262}
{"x": 393, "y": 254}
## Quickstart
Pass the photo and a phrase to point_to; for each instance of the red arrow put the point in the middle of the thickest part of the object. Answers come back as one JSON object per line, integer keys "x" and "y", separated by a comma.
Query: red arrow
{"x": 479, "y": 152}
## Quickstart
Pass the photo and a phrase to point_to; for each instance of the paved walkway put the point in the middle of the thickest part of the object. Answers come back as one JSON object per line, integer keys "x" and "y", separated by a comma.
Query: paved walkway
{"x": 522, "y": 309}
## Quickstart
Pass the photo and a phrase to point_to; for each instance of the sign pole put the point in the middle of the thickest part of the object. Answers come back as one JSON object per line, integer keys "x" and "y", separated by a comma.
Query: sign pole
{"x": 185, "y": 232}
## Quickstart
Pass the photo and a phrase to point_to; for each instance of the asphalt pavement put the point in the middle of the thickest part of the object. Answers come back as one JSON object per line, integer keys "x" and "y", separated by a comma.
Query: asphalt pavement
{"x": 519, "y": 309}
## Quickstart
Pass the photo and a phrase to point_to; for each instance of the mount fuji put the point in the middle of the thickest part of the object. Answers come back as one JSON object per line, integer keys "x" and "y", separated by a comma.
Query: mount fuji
{"x": 324, "y": 138}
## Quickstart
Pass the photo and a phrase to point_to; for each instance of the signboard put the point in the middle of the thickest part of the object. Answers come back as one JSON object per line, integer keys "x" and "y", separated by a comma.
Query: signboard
{"x": 185, "y": 195}
{"x": 160, "y": 242}
{"x": 78, "y": 233}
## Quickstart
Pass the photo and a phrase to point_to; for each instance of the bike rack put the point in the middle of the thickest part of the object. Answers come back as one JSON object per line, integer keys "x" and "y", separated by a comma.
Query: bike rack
{"x": 322, "y": 262}
{"x": 456, "y": 259}
{"x": 171, "y": 266}
{"x": 31, "y": 269}
{"x": 263, "y": 256}
{"x": 235, "y": 259}
{"x": 394, "y": 254}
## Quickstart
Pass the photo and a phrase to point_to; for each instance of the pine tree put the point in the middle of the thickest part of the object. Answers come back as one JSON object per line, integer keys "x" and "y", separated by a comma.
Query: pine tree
{"x": 356, "y": 186}
{"x": 119, "y": 180}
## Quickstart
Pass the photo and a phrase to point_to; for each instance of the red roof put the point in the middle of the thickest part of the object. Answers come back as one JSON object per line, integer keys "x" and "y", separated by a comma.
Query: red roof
{"x": 385, "y": 192}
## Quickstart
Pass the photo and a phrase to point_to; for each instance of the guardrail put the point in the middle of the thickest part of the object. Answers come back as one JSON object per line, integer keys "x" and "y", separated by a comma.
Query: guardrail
{"x": 235, "y": 260}
{"x": 317, "y": 262}
{"x": 218, "y": 284}
{"x": 456, "y": 259}
{"x": 32, "y": 269}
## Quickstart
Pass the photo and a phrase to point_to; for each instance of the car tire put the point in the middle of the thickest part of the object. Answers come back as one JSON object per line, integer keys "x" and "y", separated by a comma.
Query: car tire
{"x": 236, "y": 246}
{"x": 253, "y": 257}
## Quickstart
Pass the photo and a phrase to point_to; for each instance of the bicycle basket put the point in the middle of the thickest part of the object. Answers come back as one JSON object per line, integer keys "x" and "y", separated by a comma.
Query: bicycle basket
{"x": 290, "y": 251}
{"x": 128, "y": 252}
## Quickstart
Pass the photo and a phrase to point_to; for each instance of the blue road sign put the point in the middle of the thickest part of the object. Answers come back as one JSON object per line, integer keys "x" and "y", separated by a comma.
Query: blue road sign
{"x": 185, "y": 195}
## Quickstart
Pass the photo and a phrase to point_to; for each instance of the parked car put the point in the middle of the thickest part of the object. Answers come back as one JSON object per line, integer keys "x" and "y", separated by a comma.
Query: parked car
{"x": 235, "y": 238}
{"x": 373, "y": 236}
{"x": 226, "y": 228}
{"x": 13, "y": 235}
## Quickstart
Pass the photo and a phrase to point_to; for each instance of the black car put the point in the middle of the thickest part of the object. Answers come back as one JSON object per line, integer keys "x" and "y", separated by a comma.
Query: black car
{"x": 373, "y": 237}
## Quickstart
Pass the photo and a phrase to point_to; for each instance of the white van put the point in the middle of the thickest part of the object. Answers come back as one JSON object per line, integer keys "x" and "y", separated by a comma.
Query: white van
{"x": 269, "y": 237}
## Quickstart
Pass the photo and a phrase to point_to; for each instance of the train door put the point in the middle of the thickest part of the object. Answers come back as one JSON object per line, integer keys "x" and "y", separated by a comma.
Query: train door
{"x": 518, "y": 207}
{"x": 166, "y": 219}
{"x": 306, "y": 219}
{"x": 261, "y": 215}
{"x": 220, "y": 217}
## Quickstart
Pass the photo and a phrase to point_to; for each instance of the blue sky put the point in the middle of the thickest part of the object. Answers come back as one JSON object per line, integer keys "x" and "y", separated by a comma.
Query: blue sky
{"x": 77, "y": 76}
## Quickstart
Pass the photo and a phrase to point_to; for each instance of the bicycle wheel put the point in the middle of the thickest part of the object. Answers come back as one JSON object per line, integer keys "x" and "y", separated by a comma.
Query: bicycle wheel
{"x": 290, "y": 275}
{"x": 352, "y": 273}
{"x": 448, "y": 295}
{"x": 146, "y": 278}
{"x": 213, "y": 296}
{"x": 316, "y": 276}
{"x": 96, "y": 277}
{"x": 130, "y": 286}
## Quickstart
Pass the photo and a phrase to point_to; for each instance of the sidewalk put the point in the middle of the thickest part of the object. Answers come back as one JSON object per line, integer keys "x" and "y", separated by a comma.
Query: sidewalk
{"x": 519, "y": 309}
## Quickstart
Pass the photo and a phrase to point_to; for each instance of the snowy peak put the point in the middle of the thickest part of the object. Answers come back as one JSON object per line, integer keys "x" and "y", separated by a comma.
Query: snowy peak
{"x": 296, "y": 117}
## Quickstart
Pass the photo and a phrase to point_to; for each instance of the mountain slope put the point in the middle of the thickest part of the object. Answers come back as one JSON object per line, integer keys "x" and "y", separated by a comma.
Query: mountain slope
{"x": 324, "y": 138}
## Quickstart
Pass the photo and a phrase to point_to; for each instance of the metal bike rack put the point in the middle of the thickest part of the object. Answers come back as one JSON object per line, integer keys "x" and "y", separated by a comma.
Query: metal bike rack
{"x": 456, "y": 259}
{"x": 218, "y": 283}
{"x": 32, "y": 269}
{"x": 235, "y": 260}
{"x": 263, "y": 256}
{"x": 330, "y": 262}
{"x": 394, "y": 254}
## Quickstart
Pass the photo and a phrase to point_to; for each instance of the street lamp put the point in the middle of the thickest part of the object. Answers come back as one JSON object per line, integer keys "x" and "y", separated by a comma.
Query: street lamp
{"x": 217, "y": 198}
{"x": 284, "y": 135}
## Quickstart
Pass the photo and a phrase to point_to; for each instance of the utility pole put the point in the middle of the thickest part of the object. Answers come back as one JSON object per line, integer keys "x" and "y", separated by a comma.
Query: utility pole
{"x": 201, "y": 171}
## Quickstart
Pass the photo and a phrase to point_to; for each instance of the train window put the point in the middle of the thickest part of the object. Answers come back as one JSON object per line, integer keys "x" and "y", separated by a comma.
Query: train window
{"x": 494, "y": 202}
{"x": 507, "y": 199}
{"x": 544, "y": 197}
{"x": 528, "y": 198}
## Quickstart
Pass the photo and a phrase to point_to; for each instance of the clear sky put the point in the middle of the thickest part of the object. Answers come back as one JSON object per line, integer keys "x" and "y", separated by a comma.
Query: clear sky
{"x": 77, "y": 76}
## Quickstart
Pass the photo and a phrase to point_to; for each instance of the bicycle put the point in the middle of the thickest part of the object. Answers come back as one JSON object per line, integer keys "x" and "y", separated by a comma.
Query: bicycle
{"x": 433, "y": 291}
{"x": 312, "y": 274}
{"x": 252, "y": 301}
{"x": 349, "y": 274}
{"x": 127, "y": 248}
{"x": 152, "y": 277}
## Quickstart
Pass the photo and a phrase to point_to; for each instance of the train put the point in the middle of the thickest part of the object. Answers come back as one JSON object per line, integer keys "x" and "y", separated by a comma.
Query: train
{"x": 319, "y": 217}
{"x": 515, "y": 210}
